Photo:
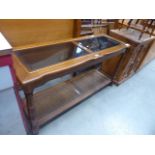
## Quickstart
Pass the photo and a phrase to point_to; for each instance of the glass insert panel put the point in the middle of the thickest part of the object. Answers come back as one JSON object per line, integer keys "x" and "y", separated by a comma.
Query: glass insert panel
{"x": 98, "y": 43}
{"x": 38, "y": 58}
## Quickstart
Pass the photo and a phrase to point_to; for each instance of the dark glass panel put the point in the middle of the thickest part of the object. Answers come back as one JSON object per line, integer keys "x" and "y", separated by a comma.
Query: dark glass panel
{"x": 38, "y": 58}
{"x": 98, "y": 43}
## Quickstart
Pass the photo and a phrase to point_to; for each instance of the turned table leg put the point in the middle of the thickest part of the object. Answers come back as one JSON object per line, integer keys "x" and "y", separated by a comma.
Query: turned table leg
{"x": 34, "y": 127}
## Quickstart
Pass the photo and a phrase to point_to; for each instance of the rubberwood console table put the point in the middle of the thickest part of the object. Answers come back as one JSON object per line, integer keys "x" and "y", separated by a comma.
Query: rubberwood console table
{"x": 37, "y": 65}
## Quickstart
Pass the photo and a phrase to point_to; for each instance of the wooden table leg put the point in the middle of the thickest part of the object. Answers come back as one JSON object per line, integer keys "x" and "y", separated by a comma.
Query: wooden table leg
{"x": 34, "y": 127}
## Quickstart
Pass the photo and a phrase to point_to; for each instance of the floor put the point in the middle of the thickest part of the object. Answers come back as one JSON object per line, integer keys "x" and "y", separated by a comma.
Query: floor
{"x": 10, "y": 119}
{"x": 126, "y": 109}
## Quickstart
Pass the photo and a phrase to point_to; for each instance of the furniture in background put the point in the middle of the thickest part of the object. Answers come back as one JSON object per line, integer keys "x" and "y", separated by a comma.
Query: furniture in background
{"x": 140, "y": 42}
{"x": 142, "y": 25}
{"x": 36, "y": 66}
{"x": 22, "y": 33}
{"x": 94, "y": 26}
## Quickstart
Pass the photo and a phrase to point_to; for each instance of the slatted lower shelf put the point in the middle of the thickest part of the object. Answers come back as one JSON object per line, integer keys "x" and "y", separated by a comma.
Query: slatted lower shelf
{"x": 51, "y": 102}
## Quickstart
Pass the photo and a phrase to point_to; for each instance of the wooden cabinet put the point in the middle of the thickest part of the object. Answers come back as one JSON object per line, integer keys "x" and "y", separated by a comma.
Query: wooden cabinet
{"x": 133, "y": 59}
{"x": 31, "y": 32}
{"x": 150, "y": 56}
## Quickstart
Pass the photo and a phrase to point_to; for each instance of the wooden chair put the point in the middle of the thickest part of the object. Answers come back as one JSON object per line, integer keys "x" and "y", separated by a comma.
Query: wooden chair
{"x": 144, "y": 26}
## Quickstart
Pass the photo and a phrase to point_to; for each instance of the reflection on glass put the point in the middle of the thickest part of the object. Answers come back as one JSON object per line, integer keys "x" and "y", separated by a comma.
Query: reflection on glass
{"x": 98, "y": 43}
{"x": 45, "y": 56}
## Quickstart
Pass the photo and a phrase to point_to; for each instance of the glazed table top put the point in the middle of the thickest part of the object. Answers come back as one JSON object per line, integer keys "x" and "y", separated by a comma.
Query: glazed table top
{"x": 39, "y": 64}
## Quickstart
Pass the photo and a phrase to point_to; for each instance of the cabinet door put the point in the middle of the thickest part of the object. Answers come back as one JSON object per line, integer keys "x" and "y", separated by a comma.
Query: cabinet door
{"x": 132, "y": 60}
{"x": 125, "y": 70}
{"x": 142, "y": 54}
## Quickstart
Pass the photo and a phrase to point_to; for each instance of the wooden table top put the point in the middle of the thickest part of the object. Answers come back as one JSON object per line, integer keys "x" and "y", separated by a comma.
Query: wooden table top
{"x": 88, "y": 55}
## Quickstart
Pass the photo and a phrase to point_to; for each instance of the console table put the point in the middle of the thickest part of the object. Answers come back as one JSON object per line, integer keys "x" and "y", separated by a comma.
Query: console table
{"x": 37, "y": 65}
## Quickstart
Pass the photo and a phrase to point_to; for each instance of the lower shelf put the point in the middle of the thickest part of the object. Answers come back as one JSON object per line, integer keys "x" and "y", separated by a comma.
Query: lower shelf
{"x": 51, "y": 102}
